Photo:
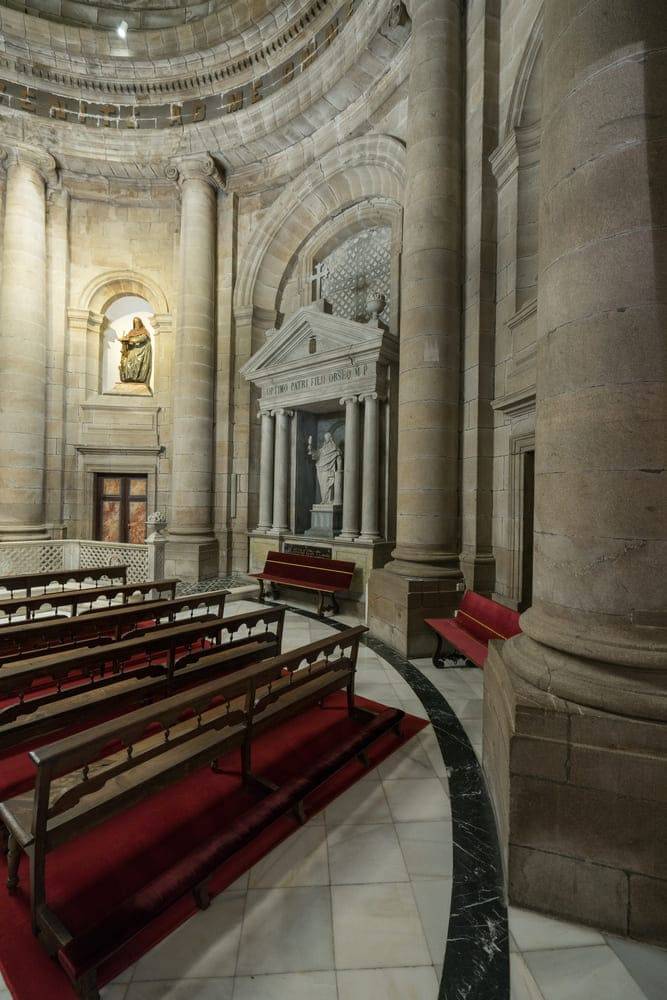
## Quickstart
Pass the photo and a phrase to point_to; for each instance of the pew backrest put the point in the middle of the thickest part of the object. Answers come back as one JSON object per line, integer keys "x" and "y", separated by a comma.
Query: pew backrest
{"x": 62, "y": 578}
{"x": 32, "y": 638}
{"x": 18, "y": 610}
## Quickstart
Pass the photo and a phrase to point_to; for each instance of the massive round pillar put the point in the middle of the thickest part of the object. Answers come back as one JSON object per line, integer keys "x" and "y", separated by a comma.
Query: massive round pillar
{"x": 582, "y": 695}
{"x": 425, "y": 571}
{"x": 23, "y": 346}
{"x": 192, "y": 552}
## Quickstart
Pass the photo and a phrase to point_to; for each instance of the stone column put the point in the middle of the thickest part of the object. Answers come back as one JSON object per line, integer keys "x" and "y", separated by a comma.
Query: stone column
{"x": 371, "y": 469}
{"x": 575, "y": 714}
{"x": 351, "y": 470}
{"x": 425, "y": 571}
{"x": 281, "y": 472}
{"x": 23, "y": 334}
{"x": 193, "y": 549}
{"x": 266, "y": 472}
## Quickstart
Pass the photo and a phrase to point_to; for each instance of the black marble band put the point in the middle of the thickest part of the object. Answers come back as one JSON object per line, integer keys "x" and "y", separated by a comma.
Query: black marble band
{"x": 477, "y": 955}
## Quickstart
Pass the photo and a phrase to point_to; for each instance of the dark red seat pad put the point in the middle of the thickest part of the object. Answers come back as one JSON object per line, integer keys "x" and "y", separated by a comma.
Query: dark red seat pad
{"x": 90, "y": 948}
{"x": 477, "y": 620}
{"x": 310, "y": 572}
{"x": 471, "y": 648}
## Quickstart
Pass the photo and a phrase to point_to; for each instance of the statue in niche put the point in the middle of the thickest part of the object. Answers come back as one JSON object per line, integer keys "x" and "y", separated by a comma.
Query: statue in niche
{"x": 136, "y": 355}
{"x": 329, "y": 467}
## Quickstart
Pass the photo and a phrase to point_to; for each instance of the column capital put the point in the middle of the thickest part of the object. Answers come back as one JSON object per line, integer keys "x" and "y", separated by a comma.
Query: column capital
{"x": 30, "y": 156}
{"x": 282, "y": 412}
{"x": 373, "y": 396}
{"x": 197, "y": 168}
{"x": 349, "y": 399}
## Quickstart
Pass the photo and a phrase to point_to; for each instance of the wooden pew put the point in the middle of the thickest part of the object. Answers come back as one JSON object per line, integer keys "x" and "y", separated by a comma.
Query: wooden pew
{"x": 48, "y": 635}
{"x": 324, "y": 576}
{"x": 53, "y": 692}
{"x": 86, "y": 779}
{"x": 27, "y": 608}
{"x": 61, "y": 577}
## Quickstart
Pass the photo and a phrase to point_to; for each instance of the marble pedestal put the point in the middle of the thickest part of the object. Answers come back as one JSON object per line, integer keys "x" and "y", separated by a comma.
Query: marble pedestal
{"x": 579, "y": 797}
{"x": 326, "y": 520}
{"x": 192, "y": 559}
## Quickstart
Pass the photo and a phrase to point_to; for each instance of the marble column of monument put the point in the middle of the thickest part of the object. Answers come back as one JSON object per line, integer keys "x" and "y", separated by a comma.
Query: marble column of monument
{"x": 23, "y": 345}
{"x": 371, "y": 469}
{"x": 266, "y": 472}
{"x": 575, "y": 711}
{"x": 350, "y": 528}
{"x": 192, "y": 552}
{"x": 281, "y": 472}
{"x": 424, "y": 576}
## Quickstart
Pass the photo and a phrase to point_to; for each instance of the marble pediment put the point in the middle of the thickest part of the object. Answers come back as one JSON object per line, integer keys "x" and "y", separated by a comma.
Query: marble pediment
{"x": 316, "y": 355}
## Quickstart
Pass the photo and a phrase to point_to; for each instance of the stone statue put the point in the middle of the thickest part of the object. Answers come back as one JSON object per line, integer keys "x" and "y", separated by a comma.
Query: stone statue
{"x": 136, "y": 354}
{"x": 328, "y": 461}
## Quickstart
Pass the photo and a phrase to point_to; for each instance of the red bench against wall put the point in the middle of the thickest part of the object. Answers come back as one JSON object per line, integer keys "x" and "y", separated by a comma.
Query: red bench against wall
{"x": 324, "y": 576}
{"x": 477, "y": 620}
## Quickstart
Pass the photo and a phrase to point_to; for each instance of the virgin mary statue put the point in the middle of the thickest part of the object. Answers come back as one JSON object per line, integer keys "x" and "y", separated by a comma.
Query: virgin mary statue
{"x": 136, "y": 354}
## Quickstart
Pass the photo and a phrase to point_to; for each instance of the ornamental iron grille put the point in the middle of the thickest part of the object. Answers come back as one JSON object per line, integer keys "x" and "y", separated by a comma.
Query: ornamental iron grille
{"x": 360, "y": 267}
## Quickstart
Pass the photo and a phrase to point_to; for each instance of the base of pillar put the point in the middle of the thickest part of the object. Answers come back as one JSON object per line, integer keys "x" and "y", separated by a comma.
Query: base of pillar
{"x": 24, "y": 532}
{"x": 398, "y": 605}
{"x": 192, "y": 558}
{"x": 580, "y": 805}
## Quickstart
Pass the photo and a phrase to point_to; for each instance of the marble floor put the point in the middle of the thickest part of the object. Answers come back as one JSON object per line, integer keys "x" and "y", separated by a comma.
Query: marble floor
{"x": 355, "y": 905}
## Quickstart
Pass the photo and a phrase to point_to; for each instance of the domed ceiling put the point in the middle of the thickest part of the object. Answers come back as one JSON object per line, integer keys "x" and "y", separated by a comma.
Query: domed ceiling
{"x": 248, "y": 78}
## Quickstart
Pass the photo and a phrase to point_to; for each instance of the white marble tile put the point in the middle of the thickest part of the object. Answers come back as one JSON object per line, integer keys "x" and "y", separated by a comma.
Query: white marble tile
{"x": 533, "y": 931}
{"x": 430, "y": 743}
{"x": 238, "y": 885}
{"x": 189, "y": 989}
{"x": 466, "y": 707}
{"x": 409, "y": 761}
{"x": 359, "y": 854}
{"x": 388, "y": 984}
{"x": 585, "y": 973}
{"x": 203, "y": 947}
{"x": 114, "y": 991}
{"x": 384, "y": 694}
{"x": 286, "y": 930}
{"x": 377, "y": 926}
{"x": 364, "y": 802}
{"x": 522, "y": 983}
{"x": 411, "y": 801}
{"x": 299, "y": 860}
{"x": 646, "y": 964}
{"x": 427, "y": 848}
{"x": 413, "y": 706}
{"x": 433, "y": 898}
{"x": 287, "y": 986}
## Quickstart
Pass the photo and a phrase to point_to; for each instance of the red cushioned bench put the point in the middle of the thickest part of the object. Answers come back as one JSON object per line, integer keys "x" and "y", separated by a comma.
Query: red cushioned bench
{"x": 325, "y": 576}
{"x": 477, "y": 620}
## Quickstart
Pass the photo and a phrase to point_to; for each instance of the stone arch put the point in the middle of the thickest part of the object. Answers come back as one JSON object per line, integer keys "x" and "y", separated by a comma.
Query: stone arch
{"x": 525, "y": 77}
{"x": 103, "y": 289}
{"x": 353, "y": 173}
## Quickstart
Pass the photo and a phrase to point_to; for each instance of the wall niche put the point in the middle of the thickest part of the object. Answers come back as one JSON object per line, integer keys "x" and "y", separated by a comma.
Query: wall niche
{"x": 127, "y": 357}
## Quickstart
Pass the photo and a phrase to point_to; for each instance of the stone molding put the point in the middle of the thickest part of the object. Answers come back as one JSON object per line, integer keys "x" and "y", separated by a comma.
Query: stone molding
{"x": 32, "y": 156}
{"x": 197, "y": 168}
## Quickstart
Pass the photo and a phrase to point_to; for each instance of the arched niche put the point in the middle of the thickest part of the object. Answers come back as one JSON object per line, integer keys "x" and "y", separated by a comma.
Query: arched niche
{"x": 119, "y": 321}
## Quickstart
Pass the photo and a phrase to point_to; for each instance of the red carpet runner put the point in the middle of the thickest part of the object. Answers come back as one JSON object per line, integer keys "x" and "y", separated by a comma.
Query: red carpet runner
{"x": 86, "y": 879}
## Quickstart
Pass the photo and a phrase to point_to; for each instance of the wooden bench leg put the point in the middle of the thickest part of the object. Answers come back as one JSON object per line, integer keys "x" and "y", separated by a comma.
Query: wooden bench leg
{"x": 334, "y": 604}
{"x": 13, "y": 859}
{"x": 261, "y": 590}
{"x": 320, "y": 607}
{"x": 202, "y": 898}
{"x": 438, "y": 656}
{"x": 86, "y": 987}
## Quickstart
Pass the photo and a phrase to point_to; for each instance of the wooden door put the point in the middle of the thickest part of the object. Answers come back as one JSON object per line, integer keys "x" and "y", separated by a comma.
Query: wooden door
{"x": 120, "y": 511}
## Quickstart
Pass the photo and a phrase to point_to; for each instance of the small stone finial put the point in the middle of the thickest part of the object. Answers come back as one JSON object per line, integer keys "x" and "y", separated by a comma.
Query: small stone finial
{"x": 375, "y": 303}
{"x": 157, "y": 521}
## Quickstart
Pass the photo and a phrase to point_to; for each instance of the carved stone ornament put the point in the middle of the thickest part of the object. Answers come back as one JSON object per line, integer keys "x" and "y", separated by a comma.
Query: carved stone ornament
{"x": 398, "y": 15}
{"x": 31, "y": 156}
{"x": 199, "y": 168}
{"x": 156, "y": 524}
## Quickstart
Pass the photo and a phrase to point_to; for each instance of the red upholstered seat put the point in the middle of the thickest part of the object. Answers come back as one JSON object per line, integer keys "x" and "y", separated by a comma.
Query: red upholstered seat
{"x": 477, "y": 620}
{"x": 467, "y": 644}
{"x": 310, "y": 584}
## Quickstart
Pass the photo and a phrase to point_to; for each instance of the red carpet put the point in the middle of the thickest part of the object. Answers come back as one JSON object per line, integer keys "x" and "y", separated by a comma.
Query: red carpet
{"x": 86, "y": 879}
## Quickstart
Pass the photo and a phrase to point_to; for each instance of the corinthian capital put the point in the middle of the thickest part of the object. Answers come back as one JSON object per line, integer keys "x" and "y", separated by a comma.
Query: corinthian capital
{"x": 31, "y": 157}
{"x": 197, "y": 168}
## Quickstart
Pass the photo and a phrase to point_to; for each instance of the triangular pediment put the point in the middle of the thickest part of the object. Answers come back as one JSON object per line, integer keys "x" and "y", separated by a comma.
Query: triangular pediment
{"x": 310, "y": 336}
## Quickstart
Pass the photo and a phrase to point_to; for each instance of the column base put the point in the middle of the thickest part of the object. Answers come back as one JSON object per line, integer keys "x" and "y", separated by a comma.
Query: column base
{"x": 398, "y": 605}
{"x": 24, "y": 532}
{"x": 192, "y": 558}
{"x": 579, "y": 796}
